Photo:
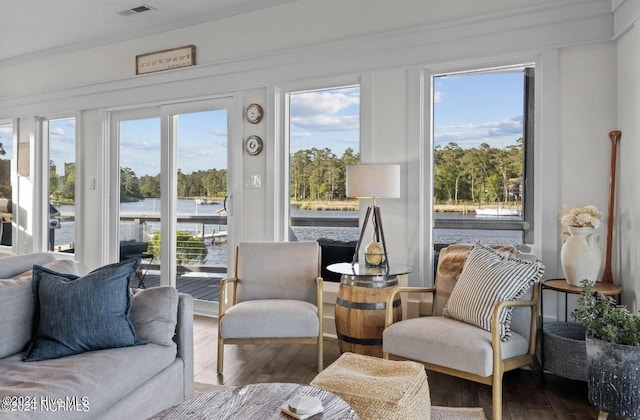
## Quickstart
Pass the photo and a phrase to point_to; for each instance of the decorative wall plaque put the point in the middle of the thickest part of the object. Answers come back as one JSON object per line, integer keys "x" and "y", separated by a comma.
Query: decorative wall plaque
{"x": 166, "y": 59}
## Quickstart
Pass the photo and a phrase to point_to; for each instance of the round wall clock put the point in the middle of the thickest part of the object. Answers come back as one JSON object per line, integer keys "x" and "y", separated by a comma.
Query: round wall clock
{"x": 253, "y": 145}
{"x": 254, "y": 113}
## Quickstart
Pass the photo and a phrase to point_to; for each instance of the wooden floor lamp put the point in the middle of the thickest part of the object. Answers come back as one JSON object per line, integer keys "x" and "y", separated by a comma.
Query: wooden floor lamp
{"x": 614, "y": 136}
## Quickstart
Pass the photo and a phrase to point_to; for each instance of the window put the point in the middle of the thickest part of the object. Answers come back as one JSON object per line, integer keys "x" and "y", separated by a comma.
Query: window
{"x": 6, "y": 153}
{"x": 62, "y": 184}
{"x": 483, "y": 156}
{"x": 324, "y": 137}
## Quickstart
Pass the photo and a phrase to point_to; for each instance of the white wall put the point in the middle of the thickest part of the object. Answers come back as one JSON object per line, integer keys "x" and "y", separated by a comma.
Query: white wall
{"x": 570, "y": 40}
{"x": 587, "y": 105}
{"x": 627, "y": 231}
{"x": 292, "y": 25}
{"x": 587, "y": 98}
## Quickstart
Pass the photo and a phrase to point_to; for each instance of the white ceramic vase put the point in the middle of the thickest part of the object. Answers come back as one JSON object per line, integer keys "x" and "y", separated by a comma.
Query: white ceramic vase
{"x": 580, "y": 255}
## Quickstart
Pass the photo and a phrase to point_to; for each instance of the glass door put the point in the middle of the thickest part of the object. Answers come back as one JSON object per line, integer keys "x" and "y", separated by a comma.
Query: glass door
{"x": 174, "y": 206}
{"x": 138, "y": 190}
{"x": 199, "y": 135}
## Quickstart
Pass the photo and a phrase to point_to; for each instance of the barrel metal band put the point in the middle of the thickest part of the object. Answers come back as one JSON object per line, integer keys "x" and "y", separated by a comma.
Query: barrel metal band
{"x": 371, "y": 282}
{"x": 362, "y": 341}
{"x": 366, "y": 306}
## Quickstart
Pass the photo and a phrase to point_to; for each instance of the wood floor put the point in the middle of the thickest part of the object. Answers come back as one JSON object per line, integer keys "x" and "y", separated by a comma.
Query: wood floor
{"x": 525, "y": 395}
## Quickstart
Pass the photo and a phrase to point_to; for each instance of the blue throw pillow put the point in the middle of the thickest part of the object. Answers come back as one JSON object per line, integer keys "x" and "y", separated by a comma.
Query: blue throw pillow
{"x": 78, "y": 314}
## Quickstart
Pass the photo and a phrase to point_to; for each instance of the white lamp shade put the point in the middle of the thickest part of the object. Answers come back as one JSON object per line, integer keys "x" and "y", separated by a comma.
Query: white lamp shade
{"x": 373, "y": 180}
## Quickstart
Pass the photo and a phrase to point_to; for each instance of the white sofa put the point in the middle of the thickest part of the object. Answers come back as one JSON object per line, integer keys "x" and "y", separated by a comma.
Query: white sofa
{"x": 127, "y": 382}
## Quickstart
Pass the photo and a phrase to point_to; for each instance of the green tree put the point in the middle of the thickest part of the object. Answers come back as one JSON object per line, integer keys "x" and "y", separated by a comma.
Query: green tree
{"x": 482, "y": 174}
{"x": 129, "y": 185}
{"x": 150, "y": 186}
{"x": 318, "y": 174}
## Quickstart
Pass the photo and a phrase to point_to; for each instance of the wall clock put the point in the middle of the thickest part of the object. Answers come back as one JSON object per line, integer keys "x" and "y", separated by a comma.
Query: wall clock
{"x": 253, "y": 145}
{"x": 254, "y": 113}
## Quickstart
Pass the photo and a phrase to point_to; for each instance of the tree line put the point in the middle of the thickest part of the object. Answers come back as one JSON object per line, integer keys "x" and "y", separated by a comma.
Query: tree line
{"x": 478, "y": 175}
{"x": 209, "y": 183}
{"x": 319, "y": 174}
{"x": 482, "y": 174}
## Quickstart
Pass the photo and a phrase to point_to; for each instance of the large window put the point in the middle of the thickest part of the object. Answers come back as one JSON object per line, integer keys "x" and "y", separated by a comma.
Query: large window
{"x": 62, "y": 184}
{"x": 483, "y": 151}
{"x": 6, "y": 153}
{"x": 324, "y": 137}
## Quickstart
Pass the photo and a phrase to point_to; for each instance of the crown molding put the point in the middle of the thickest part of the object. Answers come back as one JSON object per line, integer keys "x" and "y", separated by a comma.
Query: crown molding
{"x": 517, "y": 32}
{"x": 626, "y": 13}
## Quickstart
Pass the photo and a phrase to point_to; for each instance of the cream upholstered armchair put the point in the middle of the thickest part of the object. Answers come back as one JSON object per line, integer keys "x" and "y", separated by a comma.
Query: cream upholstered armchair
{"x": 484, "y": 317}
{"x": 274, "y": 296}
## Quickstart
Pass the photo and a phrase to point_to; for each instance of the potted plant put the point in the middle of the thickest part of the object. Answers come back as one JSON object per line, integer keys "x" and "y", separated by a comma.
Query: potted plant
{"x": 613, "y": 353}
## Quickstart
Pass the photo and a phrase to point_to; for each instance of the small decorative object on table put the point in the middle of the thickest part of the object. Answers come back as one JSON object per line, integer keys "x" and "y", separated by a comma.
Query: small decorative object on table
{"x": 302, "y": 407}
{"x": 374, "y": 254}
{"x": 580, "y": 255}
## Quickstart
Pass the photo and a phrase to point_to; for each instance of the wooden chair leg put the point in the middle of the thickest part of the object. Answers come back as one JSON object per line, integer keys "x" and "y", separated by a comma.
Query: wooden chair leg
{"x": 220, "y": 355}
{"x": 496, "y": 396}
{"x": 320, "y": 353}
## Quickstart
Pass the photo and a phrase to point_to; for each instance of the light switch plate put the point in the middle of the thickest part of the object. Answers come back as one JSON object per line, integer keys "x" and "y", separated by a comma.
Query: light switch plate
{"x": 253, "y": 182}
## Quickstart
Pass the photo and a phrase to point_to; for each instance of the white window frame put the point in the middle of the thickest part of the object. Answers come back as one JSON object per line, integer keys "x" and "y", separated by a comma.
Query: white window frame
{"x": 546, "y": 133}
{"x": 278, "y": 179}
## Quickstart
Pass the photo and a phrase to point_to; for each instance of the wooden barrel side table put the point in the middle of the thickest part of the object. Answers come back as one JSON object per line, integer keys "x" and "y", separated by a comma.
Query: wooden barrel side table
{"x": 361, "y": 305}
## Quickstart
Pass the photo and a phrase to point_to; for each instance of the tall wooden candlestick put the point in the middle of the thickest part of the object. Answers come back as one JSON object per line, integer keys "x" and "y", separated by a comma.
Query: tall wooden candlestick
{"x": 614, "y": 136}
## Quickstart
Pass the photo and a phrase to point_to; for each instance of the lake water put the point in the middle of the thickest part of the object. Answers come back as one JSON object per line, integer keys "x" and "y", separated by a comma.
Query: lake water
{"x": 217, "y": 253}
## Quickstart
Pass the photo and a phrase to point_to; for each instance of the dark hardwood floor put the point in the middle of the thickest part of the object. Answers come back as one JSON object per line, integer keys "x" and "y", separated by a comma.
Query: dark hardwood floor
{"x": 204, "y": 288}
{"x": 525, "y": 395}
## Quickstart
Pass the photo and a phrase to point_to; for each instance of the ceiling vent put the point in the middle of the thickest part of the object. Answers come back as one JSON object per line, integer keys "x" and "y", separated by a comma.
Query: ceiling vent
{"x": 136, "y": 10}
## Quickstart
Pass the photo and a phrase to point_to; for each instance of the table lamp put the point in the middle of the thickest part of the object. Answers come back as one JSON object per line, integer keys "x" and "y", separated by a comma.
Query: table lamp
{"x": 373, "y": 181}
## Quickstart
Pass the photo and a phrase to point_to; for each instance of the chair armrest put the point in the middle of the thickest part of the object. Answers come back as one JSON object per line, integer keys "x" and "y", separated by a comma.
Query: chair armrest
{"x": 391, "y": 295}
{"x": 227, "y": 296}
{"x": 184, "y": 340}
{"x": 495, "y": 322}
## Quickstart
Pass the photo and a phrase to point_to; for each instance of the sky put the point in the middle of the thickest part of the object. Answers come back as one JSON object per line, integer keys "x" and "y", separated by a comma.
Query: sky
{"x": 327, "y": 118}
{"x": 469, "y": 110}
{"x": 473, "y": 109}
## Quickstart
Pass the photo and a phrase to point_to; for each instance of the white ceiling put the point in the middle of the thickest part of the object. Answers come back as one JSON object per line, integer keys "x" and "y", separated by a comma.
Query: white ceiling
{"x": 34, "y": 27}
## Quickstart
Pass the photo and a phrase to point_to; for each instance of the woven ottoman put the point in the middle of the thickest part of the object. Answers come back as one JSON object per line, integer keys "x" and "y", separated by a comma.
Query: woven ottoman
{"x": 378, "y": 389}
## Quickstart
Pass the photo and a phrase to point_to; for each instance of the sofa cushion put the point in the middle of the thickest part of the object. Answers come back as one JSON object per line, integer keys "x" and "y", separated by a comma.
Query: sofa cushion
{"x": 16, "y": 315}
{"x": 489, "y": 277}
{"x": 97, "y": 379}
{"x": 17, "y": 309}
{"x": 16, "y": 264}
{"x": 59, "y": 266}
{"x": 154, "y": 313}
{"x": 74, "y": 315}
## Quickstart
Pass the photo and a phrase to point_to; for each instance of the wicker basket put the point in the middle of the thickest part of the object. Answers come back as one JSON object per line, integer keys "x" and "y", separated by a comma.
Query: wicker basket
{"x": 565, "y": 351}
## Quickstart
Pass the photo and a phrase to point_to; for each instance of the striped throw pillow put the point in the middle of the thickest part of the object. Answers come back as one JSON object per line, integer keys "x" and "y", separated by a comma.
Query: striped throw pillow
{"x": 486, "y": 278}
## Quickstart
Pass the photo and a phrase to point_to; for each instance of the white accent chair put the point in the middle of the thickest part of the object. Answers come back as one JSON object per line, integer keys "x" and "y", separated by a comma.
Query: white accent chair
{"x": 274, "y": 297}
{"x": 459, "y": 349}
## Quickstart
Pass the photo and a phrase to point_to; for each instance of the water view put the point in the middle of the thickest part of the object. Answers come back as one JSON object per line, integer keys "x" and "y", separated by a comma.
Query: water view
{"x": 213, "y": 234}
